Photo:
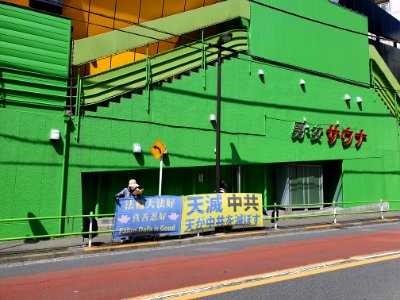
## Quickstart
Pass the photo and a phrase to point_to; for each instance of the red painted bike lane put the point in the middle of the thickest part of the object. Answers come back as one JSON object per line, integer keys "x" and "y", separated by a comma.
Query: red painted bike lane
{"x": 135, "y": 278}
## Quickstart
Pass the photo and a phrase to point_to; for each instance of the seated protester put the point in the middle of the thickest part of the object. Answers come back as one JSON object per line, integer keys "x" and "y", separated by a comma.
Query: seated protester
{"x": 131, "y": 191}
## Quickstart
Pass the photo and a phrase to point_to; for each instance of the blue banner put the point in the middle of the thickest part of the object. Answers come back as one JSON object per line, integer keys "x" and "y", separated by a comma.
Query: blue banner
{"x": 147, "y": 216}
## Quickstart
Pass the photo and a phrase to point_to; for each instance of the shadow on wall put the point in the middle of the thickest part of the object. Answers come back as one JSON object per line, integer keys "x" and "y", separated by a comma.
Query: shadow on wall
{"x": 37, "y": 229}
{"x": 139, "y": 158}
{"x": 58, "y": 146}
{"x": 235, "y": 155}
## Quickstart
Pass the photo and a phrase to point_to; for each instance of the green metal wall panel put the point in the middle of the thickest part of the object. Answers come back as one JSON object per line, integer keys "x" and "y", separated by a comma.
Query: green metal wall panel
{"x": 257, "y": 122}
{"x": 34, "y": 57}
{"x": 30, "y": 170}
{"x": 315, "y": 35}
{"x": 258, "y": 114}
{"x": 34, "y": 41}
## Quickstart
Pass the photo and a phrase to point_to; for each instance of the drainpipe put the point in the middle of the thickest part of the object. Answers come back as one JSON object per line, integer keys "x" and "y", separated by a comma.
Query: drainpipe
{"x": 64, "y": 174}
{"x": 78, "y": 104}
{"x": 203, "y": 60}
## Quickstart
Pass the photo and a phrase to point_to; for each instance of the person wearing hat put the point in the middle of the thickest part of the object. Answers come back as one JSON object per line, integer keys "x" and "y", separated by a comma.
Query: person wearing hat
{"x": 131, "y": 191}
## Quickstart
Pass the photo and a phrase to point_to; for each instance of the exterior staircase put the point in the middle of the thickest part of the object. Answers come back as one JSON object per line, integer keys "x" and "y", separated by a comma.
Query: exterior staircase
{"x": 385, "y": 84}
{"x": 135, "y": 78}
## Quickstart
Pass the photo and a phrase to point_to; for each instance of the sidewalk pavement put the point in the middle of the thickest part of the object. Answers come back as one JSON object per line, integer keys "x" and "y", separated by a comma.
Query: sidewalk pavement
{"x": 28, "y": 250}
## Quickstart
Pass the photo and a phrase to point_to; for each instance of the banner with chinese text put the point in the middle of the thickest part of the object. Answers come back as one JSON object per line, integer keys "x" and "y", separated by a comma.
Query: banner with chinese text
{"x": 213, "y": 210}
{"x": 147, "y": 215}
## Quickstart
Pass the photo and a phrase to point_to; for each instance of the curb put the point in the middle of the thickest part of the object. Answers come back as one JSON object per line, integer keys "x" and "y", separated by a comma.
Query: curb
{"x": 41, "y": 254}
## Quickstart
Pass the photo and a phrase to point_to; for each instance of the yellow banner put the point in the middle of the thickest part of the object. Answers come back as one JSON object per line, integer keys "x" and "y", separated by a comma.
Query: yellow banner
{"x": 213, "y": 210}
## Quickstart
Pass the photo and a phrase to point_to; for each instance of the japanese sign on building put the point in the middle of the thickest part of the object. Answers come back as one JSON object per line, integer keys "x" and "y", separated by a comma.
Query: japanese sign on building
{"x": 147, "y": 215}
{"x": 315, "y": 133}
{"x": 212, "y": 210}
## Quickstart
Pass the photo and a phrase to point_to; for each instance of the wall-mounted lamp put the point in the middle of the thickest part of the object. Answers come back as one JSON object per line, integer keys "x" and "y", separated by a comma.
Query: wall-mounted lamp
{"x": 260, "y": 72}
{"x": 347, "y": 97}
{"x": 337, "y": 122}
{"x": 213, "y": 118}
{"x": 137, "y": 148}
{"x": 55, "y": 135}
{"x": 302, "y": 82}
{"x": 305, "y": 119}
{"x": 359, "y": 100}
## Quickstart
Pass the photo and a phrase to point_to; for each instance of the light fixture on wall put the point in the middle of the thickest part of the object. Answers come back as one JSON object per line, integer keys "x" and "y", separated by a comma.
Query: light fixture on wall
{"x": 347, "y": 97}
{"x": 55, "y": 135}
{"x": 359, "y": 100}
{"x": 260, "y": 72}
{"x": 137, "y": 148}
{"x": 337, "y": 122}
{"x": 302, "y": 82}
{"x": 213, "y": 118}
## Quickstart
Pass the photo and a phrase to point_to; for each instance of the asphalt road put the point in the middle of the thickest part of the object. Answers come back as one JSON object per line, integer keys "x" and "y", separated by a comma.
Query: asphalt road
{"x": 137, "y": 272}
{"x": 370, "y": 281}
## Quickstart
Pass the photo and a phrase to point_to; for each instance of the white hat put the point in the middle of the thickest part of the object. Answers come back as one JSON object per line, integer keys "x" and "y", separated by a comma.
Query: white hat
{"x": 133, "y": 184}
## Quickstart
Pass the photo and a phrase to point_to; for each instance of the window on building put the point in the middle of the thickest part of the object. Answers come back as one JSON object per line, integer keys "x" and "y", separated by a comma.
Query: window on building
{"x": 51, "y": 6}
{"x": 300, "y": 185}
{"x": 305, "y": 184}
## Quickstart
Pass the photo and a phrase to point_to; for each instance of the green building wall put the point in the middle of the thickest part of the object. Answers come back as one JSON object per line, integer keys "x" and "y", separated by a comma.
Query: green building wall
{"x": 257, "y": 122}
{"x": 315, "y": 34}
{"x": 74, "y": 176}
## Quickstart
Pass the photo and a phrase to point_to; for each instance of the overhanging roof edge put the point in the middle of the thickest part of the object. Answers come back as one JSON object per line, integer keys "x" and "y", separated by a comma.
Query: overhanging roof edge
{"x": 117, "y": 41}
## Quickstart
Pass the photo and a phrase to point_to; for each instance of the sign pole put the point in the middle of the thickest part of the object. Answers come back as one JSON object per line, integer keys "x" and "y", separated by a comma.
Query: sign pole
{"x": 158, "y": 149}
{"x": 160, "y": 182}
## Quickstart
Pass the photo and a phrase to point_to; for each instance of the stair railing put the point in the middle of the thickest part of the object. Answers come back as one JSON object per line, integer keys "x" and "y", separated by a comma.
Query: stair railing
{"x": 128, "y": 78}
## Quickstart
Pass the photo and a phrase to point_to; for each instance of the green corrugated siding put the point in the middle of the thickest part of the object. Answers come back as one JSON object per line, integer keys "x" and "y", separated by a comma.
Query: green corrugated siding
{"x": 34, "y": 41}
{"x": 34, "y": 56}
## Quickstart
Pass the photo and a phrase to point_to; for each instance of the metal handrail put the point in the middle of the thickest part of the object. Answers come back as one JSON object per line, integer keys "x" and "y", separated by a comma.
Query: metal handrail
{"x": 275, "y": 218}
{"x": 56, "y": 217}
{"x": 55, "y": 235}
{"x": 115, "y": 82}
{"x": 271, "y": 218}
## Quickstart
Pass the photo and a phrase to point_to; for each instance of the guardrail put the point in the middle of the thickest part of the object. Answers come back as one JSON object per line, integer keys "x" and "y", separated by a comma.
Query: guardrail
{"x": 56, "y": 235}
{"x": 334, "y": 205}
{"x": 275, "y": 218}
